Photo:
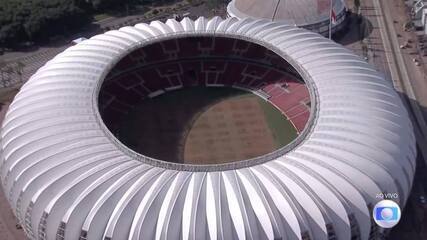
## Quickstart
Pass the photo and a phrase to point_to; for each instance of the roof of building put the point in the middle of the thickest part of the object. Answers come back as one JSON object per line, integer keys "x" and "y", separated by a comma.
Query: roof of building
{"x": 298, "y": 12}
{"x": 65, "y": 174}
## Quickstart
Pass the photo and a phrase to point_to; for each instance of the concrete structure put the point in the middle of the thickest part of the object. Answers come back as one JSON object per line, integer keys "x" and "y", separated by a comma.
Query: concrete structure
{"x": 418, "y": 8}
{"x": 419, "y": 15}
{"x": 423, "y": 22}
{"x": 67, "y": 177}
{"x": 313, "y": 15}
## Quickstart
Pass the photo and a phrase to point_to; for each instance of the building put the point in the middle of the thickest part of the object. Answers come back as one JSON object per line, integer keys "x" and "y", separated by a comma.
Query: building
{"x": 313, "y": 15}
{"x": 67, "y": 176}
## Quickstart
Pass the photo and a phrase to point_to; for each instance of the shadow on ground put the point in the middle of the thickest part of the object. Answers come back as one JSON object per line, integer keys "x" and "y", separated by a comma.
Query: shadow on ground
{"x": 413, "y": 224}
{"x": 357, "y": 29}
{"x": 158, "y": 127}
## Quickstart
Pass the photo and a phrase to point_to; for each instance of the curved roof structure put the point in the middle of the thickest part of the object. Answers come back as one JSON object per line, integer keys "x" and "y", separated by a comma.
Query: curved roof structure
{"x": 310, "y": 14}
{"x": 66, "y": 176}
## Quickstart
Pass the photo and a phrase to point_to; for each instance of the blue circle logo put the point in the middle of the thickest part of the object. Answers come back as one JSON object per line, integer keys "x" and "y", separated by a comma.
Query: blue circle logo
{"x": 386, "y": 213}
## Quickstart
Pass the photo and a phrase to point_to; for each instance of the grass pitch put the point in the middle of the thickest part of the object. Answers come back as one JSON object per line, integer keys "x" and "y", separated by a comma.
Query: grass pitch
{"x": 282, "y": 129}
{"x": 200, "y": 125}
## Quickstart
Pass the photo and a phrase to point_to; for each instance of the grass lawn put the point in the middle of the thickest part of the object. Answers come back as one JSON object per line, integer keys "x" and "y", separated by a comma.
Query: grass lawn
{"x": 282, "y": 129}
{"x": 101, "y": 16}
{"x": 194, "y": 100}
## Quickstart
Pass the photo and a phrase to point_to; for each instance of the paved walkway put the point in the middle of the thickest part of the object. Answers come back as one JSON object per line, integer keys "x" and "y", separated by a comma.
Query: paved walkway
{"x": 387, "y": 18}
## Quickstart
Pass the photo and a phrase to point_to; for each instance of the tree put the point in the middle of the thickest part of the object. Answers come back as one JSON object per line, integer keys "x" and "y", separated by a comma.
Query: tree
{"x": 104, "y": 4}
{"x": 57, "y": 16}
{"x": 22, "y": 20}
{"x": 213, "y": 4}
{"x": 11, "y": 22}
{"x": 357, "y": 3}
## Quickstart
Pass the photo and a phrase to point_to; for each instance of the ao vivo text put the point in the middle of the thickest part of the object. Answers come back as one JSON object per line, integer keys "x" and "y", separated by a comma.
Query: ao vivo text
{"x": 387, "y": 195}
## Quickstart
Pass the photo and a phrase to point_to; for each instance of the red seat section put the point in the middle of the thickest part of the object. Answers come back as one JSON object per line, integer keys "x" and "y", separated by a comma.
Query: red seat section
{"x": 255, "y": 52}
{"x": 290, "y": 97}
{"x": 301, "y": 120}
{"x": 240, "y": 47}
{"x": 223, "y": 47}
{"x": 170, "y": 46}
{"x": 232, "y": 73}
{"x": 188, "y": 49}
{"x": 192, "y": 73}
{"x": 176, "y": 63}
{"x": 154, "y": 53}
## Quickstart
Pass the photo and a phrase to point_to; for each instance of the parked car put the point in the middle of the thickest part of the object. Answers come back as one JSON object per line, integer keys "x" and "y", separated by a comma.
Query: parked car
{"x": 78, "y": 40}
{"x": 422, "y": 199}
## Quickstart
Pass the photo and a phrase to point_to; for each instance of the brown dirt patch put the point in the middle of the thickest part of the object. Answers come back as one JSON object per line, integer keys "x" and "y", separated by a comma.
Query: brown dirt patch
{"x": 231, "y": 130}
{"x": 199, "y": 125}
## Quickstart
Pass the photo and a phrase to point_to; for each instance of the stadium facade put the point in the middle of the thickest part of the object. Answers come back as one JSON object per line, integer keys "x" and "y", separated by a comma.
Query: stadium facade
{"x": 313, "y": 15}
{"x": 67, "y": 176}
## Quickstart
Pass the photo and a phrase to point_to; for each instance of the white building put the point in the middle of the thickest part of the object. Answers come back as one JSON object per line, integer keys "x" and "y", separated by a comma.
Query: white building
{"x": 313, "y": 15}
{"x": 67, "y": 177}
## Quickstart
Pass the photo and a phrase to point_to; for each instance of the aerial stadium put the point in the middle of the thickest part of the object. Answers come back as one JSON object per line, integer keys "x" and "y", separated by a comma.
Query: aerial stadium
{"x": 70, "y": 171}
{"x": 313, "y": 15}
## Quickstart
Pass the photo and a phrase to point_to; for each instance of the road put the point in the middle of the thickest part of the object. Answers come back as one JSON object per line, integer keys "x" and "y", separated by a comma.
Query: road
{"x": 383, "y": 20}
{"x": 400, "y": 67}
{"x": 409, "y": 80}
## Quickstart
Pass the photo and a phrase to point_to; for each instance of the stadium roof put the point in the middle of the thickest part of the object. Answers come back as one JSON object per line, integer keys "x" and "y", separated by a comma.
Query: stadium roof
{"x": 310, "y": 14}
{"x": 65, "y": 174}
{"x": 299, "y": 12}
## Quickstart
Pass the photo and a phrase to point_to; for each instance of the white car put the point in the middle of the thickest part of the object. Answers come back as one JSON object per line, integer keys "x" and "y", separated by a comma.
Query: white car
{"x": 78, "y": 40}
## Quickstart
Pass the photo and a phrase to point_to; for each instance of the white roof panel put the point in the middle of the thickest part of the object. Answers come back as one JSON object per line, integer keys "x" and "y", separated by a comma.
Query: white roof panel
{"x": 53, "y": 143}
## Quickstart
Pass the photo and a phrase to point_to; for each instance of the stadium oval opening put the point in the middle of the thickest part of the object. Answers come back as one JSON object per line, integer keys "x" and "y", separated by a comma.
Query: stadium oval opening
{"x": 204, "y": 100}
